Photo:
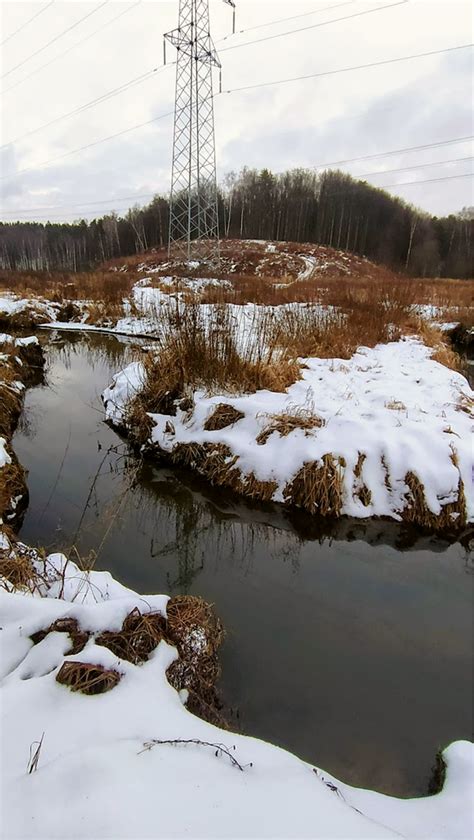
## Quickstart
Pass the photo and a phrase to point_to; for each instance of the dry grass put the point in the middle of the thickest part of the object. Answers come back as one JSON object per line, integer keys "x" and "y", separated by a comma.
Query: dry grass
{"x": 433, "y": 337}
{"x": 16, "y": 566}
{"x": 223, "y": 415}
{"x": 286, "y": 423}
{"x": 361, "y": 491}
{"x": 79, "y": 638}
{"x": 318, "y": 486}
{"x": 466, "y": 404}
{"x": 194, "y": 352}
{"x": 194, "y": 628}
{"x": 139, "y": 636}
{"x": 11, "y": 401}
{"x": 453, "y": 516}
{"x": 86, "y": 678}
{"x": 102, "y": 286}
{"x": 13, "y": 491}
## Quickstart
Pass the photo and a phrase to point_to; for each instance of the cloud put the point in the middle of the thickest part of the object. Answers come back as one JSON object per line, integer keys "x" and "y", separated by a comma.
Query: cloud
{"x": 298, "y": 124}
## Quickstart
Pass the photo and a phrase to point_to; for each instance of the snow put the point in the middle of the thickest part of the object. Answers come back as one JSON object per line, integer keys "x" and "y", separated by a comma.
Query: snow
{"x": 11, "y": 304}
{"x": 100, "y": 774}
{"x": 391, "y": 402}
{"x": 4, "y": 456}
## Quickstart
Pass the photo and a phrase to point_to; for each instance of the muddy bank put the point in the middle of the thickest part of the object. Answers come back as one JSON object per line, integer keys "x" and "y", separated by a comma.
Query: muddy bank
{"x": 21, "y": 366}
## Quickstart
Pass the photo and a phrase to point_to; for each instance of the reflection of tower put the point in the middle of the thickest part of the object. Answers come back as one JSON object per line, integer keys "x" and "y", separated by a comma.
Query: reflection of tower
{"x": 194, "y": 224}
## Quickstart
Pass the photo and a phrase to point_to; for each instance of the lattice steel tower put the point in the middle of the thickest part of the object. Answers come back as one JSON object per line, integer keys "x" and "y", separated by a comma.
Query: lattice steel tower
{"x": 194, "y": 223}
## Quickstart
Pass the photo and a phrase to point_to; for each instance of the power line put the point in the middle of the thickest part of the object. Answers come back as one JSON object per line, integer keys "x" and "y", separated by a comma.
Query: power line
{"x": 80, "y": 215}
{"x": 99, "y": 99}
{"x": 381, "y": 187}
{"x": 86, "y": 146}
{"x": 416, "y": 166}
{"x": 315, "y": 25}
{"x": 348, "y": 69}
{"x": 285, "y": 20}
{"x": 53, "y": 40}
{"x": 78, "y": 204}
{"x": 145, "y": 76}
{"x": 85, "y": 203}
{"x": 25, "y": 24}
{"x": 72, "y": 47}
{"x": 450, "y": 142}
{"x": 427, "y": 181}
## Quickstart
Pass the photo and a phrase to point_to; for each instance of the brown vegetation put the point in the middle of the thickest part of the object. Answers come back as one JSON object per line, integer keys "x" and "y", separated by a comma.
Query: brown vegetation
{"x": 283, "y": 424}
{"x": 16, "y": 566}
{"x": 78, "y": 637}
{"x": 89, "y": 679}
{"x": 317, "y": 487}
{"x": 18, "y": 366}
{"x": 223, "y": 415}
{"x": 452, "y": 517}
{"x": 139, "y": 636}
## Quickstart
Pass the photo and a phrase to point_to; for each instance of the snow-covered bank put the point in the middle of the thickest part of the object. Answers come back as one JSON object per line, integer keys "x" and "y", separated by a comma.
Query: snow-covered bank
{"x": 103, "y": 770}
{"x": 375, "y": 430}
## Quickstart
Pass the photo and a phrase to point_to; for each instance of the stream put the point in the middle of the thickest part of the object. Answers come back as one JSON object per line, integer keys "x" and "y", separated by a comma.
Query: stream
{"x": 348, "y": 644}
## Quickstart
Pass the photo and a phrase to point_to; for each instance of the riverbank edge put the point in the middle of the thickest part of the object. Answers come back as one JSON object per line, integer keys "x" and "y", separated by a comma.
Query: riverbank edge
{"x": 22, "y": 366}
{"x": 317, "y": 486}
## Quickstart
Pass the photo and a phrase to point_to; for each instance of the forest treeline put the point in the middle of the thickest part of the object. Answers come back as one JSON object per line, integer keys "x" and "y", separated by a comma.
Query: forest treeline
{"x": 299, "y": 205}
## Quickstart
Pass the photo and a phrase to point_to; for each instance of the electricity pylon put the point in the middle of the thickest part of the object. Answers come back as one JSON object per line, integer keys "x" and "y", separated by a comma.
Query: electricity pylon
{"x": 194, "y": 222}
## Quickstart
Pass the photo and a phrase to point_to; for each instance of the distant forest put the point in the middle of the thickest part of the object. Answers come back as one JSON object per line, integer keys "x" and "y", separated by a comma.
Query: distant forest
{"x": 298, "y": 205}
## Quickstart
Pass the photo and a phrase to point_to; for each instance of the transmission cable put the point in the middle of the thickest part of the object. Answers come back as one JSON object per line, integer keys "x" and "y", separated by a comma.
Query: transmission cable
{"x": 329, "y": 195}
{"x": 314, "y": 26}
{"x": 72, "y": 47}
{"x": 98, "y": 100}
{"x": 451, "y": 142}
{"x": 284, "y": 20}
{"x": 427, "y": 181}
{"x": 145, "y": 76}
{"x": 87, "y": 146}
{"x": 415, "y": 166}
{"x": 53, "y": 40}
{"x": 94, "y": 202}
{"x": 86, "y": 204}
{"x": 25, "y": 24}
{"x": 78, "y": 203}
{"x": 347, "y": 69}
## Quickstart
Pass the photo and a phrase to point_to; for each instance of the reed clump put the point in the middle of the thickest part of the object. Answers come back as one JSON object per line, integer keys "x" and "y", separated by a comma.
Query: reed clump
{"x": 87, "y": 678}
{"x": 17, "y": 571}
{"x": 361, "y": 491}
{"x": 286, "y": 423}
{"x": 13, "y": 491}
{"x": 78, "y": 637}
{"x": 140, "y": 634}
{"x": 196, "y": 631}
{"x": 223, "y": 415}
{"x": 318, "y": 486}
{"x": 453, "y": 515}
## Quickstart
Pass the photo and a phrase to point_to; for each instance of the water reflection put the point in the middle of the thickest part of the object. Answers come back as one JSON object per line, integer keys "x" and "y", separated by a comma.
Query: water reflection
{"x": 350, "y": 644}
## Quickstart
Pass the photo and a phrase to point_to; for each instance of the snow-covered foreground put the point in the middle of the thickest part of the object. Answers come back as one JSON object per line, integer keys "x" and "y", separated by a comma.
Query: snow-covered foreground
{"x": 95, "y": 777}
{"x": 392, "y": 404}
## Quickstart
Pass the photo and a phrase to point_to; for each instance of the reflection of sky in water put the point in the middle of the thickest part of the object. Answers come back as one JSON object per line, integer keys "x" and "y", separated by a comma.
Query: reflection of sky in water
{"x": 341, "y": 647}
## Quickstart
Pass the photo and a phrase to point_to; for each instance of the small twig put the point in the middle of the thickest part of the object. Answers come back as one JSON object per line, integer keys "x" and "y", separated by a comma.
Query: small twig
{"x": 220, "y": 749}
{"x": 34, "y": 757}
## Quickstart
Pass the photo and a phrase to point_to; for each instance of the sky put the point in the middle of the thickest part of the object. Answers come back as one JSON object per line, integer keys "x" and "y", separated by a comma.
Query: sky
{"x": 305, "y": 123}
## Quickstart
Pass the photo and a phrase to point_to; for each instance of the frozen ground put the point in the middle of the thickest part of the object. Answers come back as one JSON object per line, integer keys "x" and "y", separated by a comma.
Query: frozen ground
{"x": 392, "y": 403}
{"x": 95, "y": 778}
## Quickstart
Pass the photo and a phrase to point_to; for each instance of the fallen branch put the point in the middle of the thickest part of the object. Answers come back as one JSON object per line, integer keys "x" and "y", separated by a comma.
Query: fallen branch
{"x": 220, "y": 749}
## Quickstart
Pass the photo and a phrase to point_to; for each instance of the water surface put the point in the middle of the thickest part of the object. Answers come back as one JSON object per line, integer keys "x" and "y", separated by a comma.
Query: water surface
{"x": 350, "y": 646}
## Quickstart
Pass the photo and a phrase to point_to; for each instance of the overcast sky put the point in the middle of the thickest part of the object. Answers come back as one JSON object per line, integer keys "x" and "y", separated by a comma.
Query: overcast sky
{"x": 302, "y": 123}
